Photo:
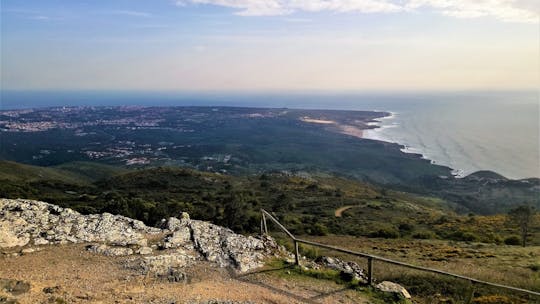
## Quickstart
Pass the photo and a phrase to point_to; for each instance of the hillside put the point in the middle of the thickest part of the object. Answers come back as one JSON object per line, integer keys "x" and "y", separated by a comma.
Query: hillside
{"x": 305, "y": 202}
{"x": 53, "y": 255}
{"x": 74, "y": 172}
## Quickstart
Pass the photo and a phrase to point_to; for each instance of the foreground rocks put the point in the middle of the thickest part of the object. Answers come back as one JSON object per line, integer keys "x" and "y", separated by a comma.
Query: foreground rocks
{"x": 347, "y": 267}
{"x": 160, "y": 251}
{"x": 168, "y": 253}
{"x": 393, "y": 288}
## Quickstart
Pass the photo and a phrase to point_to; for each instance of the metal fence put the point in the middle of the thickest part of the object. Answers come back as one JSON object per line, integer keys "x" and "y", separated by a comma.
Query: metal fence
{"x": 371, "y": 257}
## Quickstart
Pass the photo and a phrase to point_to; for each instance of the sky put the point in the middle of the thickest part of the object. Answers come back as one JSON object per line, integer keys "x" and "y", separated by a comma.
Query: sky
{"x": 270, "y": 45}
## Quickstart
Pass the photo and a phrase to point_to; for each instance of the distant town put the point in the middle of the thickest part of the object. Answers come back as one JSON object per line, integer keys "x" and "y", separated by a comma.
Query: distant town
{"x": 139, "y": 136}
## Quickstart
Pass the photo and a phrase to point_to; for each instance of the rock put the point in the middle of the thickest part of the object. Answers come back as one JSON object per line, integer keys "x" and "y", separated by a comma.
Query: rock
{"x": 28, "y": 250}
{"x": 170, "y": 224}
{"x": 14, "y": 287}
{"x": 350, "y": 268}
{"x": 180, "y": 237}
{"x": 110, "y": 251}
{"x": 11, "y": 235}
{"x": 53, "y": 289}
{"x": 40, "y": 241}
{"x": 162, "y": 266}
{"x": 24, "y": 222}
{"x": 144, "y": 251}
{"x": 174, "y": 275}
{"x": 393, "y": 288}
{"x": 225, "y": 248}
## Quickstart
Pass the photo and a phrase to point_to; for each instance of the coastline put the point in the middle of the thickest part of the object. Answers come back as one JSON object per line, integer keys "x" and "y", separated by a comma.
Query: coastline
{"x": 375, "y": 134}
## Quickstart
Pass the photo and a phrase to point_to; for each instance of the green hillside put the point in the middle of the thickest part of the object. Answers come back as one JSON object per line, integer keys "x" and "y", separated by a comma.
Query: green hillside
{"x": 309, "y": 204}
{"x": 16, "y": 172}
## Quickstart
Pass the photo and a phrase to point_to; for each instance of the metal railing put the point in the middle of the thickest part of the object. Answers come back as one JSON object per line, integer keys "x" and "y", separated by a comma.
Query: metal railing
{"x": 371, "y": 257}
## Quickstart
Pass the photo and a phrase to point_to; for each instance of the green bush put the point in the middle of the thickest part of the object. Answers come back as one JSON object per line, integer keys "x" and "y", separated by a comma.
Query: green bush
{"x": 465, "y": 236}
{"x": 429, "y": 285}
{"x": 387, "y": 232}
{"x": 512, "y": 240}
{"x": 424, "y": 235}
{"x": 534, "y": 267}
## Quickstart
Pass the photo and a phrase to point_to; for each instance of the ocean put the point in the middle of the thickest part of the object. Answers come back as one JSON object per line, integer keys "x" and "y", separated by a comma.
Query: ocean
{"x": 466, "y": 131}
{"x": 470, "y": 133}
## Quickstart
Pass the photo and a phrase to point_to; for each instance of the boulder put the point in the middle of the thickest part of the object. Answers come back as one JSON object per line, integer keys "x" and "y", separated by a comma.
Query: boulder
{"x": 180, "y": 237}
{"x": 144, "y": 251}
{"x": 393, "y": 288}
{"x": 225, "y": 248}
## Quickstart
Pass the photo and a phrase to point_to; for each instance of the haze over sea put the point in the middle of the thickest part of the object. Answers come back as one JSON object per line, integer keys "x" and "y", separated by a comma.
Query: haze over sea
{"x": 467, "y": 131}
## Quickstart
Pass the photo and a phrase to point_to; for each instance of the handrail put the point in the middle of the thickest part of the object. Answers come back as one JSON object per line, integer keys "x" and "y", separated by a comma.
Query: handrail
{"x": 371, "y": 257}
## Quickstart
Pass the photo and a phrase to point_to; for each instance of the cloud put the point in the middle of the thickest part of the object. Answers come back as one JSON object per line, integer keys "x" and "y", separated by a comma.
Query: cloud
{"x": 505, "y": 10}
{"x": 285, "y": 7}
{"x": 525, "y": 11}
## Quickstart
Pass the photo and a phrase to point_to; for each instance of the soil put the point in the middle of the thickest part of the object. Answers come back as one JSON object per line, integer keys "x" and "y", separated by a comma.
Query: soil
{"x": 70, "y": 274}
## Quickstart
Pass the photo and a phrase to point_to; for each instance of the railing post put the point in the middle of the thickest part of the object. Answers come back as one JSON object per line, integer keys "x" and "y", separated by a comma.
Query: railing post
{"x": 264, "y": 223}
{"x": 370, "y": 270}
{"x": 296, "y": 254}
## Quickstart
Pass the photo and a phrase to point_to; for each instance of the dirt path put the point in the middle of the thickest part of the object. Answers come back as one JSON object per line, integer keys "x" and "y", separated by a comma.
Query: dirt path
{"x": 70, "y": 274}
{"x": 339, "y": 211}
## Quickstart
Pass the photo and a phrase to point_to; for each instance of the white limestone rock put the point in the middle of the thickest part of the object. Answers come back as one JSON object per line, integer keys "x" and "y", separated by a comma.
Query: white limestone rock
{"x": 394, "y": 288}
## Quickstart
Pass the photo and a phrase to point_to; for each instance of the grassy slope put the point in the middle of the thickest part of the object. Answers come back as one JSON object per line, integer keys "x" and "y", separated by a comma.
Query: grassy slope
{"x": 17, "y": 172}
{"x": 74, "y": 172}
{"x": 304, "y": 204}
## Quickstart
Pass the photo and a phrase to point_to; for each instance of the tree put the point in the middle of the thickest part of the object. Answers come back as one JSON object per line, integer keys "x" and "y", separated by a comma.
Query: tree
{"x": 522, "y": 216}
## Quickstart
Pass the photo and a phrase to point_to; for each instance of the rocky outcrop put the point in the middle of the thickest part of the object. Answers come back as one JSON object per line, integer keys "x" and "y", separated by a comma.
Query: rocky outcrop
{"x": 27, "y": 222}
{"x": 347, "y": 267}
{"x": 176, "y": 244}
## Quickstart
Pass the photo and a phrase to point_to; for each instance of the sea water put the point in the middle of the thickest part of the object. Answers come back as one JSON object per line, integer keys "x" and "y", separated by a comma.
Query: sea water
{"x": 469, "y": 132}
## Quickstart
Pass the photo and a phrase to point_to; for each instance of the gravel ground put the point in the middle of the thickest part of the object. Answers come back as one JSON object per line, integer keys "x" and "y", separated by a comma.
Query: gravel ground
{"x": 70, "y": 274}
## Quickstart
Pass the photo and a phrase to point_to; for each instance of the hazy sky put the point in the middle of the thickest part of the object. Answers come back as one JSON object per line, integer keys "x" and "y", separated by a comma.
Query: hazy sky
{"x": 270, "y": 44}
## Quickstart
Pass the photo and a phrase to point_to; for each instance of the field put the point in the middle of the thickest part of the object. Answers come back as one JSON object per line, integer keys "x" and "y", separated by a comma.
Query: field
{"x": 509, "y": 265}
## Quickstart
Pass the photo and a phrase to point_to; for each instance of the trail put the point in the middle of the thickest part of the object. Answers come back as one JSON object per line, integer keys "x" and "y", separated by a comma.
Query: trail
{"x": 340, "y": 210}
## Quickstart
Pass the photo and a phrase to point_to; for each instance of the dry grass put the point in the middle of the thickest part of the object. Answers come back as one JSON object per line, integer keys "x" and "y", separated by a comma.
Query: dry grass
{"x": 509, "y": 265}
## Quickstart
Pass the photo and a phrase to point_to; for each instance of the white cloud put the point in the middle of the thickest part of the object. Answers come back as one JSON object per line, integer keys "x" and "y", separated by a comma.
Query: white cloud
{"x": 505, "y": 10}
{"x": 525, "y": 11}
{"x": 284, "y": 7}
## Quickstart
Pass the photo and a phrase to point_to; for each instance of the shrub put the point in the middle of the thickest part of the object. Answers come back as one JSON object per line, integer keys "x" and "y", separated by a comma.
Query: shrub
{"x": 429, "y": 285}
{"x": 534, "y": 267}
{"x": 309, "y": 251}
{"x": 512, "y": 240}
{"x": 318, "y": 229}
{"x": 465, "y": 236}
{"x": 406, "y": 226}
{"x": 424, "y": 235}
{"x": 387, "y": 232}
